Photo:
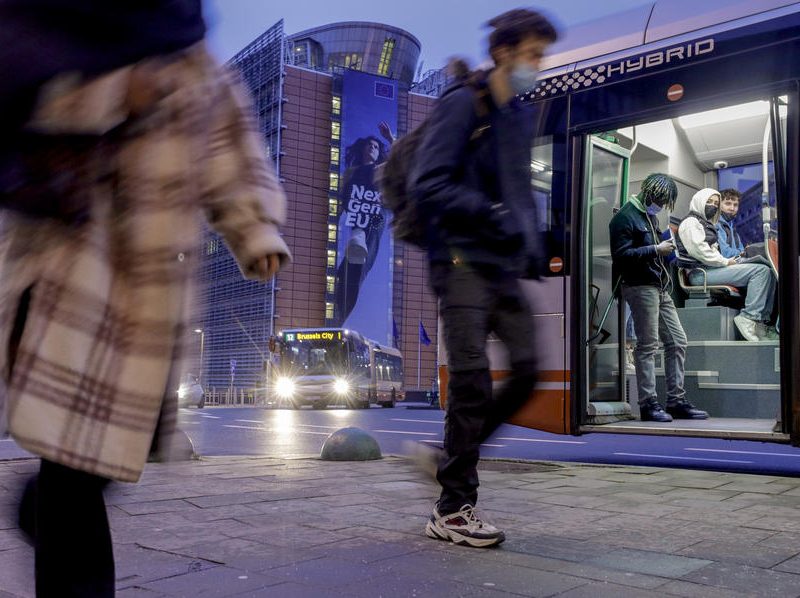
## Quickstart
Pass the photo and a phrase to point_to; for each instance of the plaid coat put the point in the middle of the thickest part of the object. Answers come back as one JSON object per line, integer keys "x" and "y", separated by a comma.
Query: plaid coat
{"x": 93, "y": 313}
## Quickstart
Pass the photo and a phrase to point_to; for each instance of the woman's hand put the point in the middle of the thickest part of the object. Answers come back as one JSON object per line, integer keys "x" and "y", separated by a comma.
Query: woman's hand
{"x": 267, "y": 266}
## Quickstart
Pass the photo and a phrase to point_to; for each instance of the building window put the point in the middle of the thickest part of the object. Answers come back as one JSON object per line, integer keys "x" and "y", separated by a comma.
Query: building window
{"x": 386, "y": 56}
{"x": 331, "y": 284}
{"x": 334, "y": 186}
{"x": 336, "y": 105}
{"x": 336, "y": 130}
{"x": 335, "y": 156}
{"x": 331, "y": 258}
{"x": 329, "y": 311}
{"x": 333, "y": 206}
{"x": 212, "y": 246}
{"x": 332, "y": 233}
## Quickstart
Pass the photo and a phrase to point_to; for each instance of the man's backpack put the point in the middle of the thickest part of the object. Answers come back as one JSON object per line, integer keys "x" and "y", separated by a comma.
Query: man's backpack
{"x": 394, "y": 175}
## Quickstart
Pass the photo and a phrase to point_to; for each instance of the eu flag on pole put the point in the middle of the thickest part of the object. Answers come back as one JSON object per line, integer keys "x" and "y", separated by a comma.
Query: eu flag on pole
{"x": 423, "y": 336}
{"x": 395, "y": 334}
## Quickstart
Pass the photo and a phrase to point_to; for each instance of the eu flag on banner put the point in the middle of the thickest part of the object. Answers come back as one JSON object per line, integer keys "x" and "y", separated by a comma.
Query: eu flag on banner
{"x": 423, "y": 336}
{"x": 395, "y": 334}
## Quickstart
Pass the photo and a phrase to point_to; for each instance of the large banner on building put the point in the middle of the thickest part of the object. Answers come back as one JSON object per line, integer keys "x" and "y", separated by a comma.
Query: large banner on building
{"x": 363, "y": 296}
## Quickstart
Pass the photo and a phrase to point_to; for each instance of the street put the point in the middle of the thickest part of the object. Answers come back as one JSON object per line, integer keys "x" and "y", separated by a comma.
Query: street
{"x": 280, "y": 432}
{"x": 218, "y": 431}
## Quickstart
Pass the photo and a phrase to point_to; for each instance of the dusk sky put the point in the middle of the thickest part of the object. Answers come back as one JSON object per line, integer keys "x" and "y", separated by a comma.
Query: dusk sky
{"x": 444, "y": 27}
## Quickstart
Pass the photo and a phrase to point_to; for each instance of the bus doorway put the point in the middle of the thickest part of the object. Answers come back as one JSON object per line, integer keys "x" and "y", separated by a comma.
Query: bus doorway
{"x": 732, "y": 365}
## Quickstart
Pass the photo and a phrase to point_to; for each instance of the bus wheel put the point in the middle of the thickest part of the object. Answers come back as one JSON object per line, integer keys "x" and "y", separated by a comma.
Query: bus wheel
{"x": 390, "y": 403}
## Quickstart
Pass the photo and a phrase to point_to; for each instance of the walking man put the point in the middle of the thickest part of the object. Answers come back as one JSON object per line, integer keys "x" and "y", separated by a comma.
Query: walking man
{"x": 473, "y": 184}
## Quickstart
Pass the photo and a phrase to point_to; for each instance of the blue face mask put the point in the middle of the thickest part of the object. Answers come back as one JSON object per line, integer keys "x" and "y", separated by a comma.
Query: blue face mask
{"x": 653, "y": 209}
{"x": 522, "y": 78}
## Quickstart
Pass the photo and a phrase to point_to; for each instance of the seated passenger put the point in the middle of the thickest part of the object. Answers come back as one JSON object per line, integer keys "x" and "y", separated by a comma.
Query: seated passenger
{"x": 698, "y": 247}
{"x": 637, "y": 254}
{"x": 730, "y": 243}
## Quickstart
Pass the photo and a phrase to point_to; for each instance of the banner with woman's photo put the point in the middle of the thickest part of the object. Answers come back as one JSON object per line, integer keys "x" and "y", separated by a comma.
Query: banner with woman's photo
{"x": 363, "y": 297}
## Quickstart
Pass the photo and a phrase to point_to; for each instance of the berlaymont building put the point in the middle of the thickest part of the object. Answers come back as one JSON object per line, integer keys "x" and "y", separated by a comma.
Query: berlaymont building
{"x": 329, "y": 101}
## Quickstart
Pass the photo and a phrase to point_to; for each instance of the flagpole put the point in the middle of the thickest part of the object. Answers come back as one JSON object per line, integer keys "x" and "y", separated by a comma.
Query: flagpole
{"x": 419, "y": 350}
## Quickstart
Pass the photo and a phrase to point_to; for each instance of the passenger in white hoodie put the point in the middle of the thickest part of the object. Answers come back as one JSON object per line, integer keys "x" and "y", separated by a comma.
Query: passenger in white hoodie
{"x": 698, "y": 249}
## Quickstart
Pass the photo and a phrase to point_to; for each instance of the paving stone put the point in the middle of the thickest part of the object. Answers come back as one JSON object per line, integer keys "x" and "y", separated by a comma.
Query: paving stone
{"x": 739, "y": 552}
{"x": 649, "y": 563}
{"x": 135, "y": 566}
{"x": 748, "y": 580}
{"x": 215, "y": 582}
{"x": 608, "y": 590}
{"x": 696, "y": 590}
{"x": 791, "y": 565}
{"x": 16, "y": 572}
{"x": 514, "y": 579}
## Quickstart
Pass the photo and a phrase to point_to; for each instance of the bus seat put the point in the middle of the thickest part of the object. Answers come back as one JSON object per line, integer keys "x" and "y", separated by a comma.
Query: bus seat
{"x": 772, "y": 252}
{"x": 705, "y": 290}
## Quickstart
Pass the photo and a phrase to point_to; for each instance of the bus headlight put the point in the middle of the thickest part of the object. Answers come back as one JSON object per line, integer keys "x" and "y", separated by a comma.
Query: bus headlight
{"x": 341, "y": 387}
{"x": 284, "y": 387}
{"x": 182, "y": 393}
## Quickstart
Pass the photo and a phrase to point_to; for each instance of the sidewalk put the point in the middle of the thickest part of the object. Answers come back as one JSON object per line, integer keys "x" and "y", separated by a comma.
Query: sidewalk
{"x": 304, "y": 527}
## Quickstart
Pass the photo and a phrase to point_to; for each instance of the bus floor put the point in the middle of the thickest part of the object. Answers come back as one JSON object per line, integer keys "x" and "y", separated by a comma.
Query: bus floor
{"x": 715, "y": 427}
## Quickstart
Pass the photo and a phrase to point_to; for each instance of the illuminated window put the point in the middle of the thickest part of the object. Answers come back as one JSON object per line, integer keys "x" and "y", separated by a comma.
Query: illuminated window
{"x": 386, "y": 56}
{"x": 331, "y": 284}
{"x": 331, "y": 258}
{"x": 333, "y": 206}
{"x": 336, "y": 105}
{"x": 334, "y": 186}
{"x": 212, "y": 246}
{"x": 336, "y": 130}
{"x": 329, "y": 311}
{"x": 332, "y": 233}
{"x": 335, "y": 156}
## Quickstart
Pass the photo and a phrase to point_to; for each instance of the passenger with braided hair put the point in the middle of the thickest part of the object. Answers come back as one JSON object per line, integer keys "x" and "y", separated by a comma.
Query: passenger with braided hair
{"x": 638, "y": 259}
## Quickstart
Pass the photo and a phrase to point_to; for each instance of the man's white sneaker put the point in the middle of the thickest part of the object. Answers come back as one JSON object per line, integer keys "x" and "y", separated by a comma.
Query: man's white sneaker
{"x": 463, "y": 527}
{"x": 746, "y": 327}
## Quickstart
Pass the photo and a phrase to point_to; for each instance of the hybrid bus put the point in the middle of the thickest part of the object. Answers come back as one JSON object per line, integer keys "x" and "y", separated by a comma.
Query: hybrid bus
{"x": 707, "y": 92}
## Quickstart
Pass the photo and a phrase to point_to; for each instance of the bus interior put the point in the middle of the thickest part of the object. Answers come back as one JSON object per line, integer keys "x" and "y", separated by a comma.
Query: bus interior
{"x": 735, "y": 380}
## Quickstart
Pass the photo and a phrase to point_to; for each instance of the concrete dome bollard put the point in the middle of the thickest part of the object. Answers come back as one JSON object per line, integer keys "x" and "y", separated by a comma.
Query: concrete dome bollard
{"x": 350, "y": 444}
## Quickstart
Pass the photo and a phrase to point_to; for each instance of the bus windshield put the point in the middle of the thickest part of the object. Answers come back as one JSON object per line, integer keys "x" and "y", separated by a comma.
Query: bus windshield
{"x": 316, "y": 357}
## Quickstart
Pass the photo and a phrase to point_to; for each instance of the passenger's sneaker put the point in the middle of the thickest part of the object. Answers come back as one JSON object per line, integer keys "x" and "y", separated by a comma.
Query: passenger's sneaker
{"x": 683, "y": 409}
{"x": 746, "y": 327}
{"x": 425, "y": 457}
{"x": 463, "y": 527}
{"x": 652, "y": 411}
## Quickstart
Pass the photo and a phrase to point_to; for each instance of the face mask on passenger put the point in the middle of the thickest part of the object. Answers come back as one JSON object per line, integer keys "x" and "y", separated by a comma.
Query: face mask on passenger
{"x": 522, "y": 78}
{"x": 653, "y": 209}
{"x": 711, "y": 211}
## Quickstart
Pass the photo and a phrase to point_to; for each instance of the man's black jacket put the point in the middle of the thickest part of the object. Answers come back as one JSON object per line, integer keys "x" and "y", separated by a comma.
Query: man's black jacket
{"x": 633, "y": 248}
{"x": 472, "y": 179}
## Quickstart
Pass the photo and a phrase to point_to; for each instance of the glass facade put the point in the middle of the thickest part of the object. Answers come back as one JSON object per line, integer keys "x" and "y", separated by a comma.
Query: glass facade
{"x": 369, "y": 47}
{"x": 238, "y": 315}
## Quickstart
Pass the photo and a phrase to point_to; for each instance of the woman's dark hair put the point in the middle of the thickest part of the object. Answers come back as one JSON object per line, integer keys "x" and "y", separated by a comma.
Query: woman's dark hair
{"x": 354, "y": 154}
{"x": 511, "y": 27}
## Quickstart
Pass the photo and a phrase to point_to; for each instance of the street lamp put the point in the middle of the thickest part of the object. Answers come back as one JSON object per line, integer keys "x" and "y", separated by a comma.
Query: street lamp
{"x": 202, "y": 346}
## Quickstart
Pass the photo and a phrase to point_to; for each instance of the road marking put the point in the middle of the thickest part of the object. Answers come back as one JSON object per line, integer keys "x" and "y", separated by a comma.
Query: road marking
{"x": 210, "y": 416}
{"x": 404, "y": 432}
{"x": 326, "y": 427}
{"x": 263, "y": 429}
{"x": 541, "y": 440}
{"x": 682, "y": 458}
{"x": 419, "y": 421}
{"x": 6, "y": 440}
{"x": 250, "y": 421}
{"x": 703, "y": 450}
{"x": 495, "y": 445}
{"x": 431, "y": 441}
